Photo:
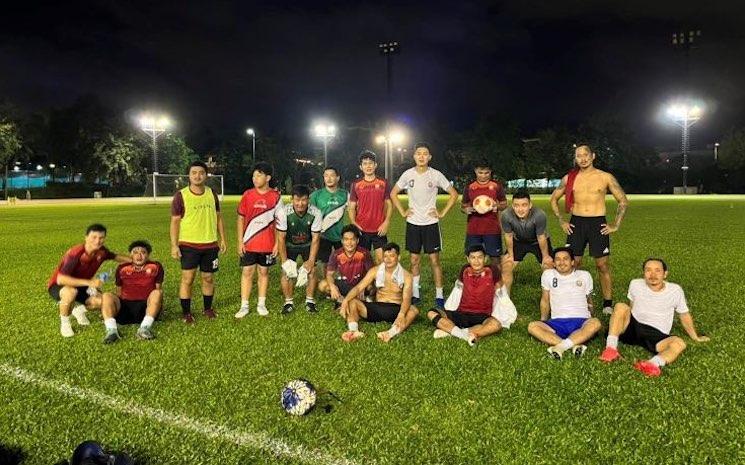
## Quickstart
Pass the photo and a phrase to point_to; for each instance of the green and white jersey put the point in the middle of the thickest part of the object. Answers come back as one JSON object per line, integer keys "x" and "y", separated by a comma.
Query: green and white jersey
{"x": 332, "y": 205}
{"x": 299, "y": 228}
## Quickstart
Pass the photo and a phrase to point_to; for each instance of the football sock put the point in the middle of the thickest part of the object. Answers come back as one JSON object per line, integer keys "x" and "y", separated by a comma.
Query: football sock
{"x": 353, "y": 326}
{"x": 438, "y": 293}
{"x": 186, "y": 306}
{"x": 657, "y": 360}
{"x": 262, "y": 302}
{"x": 147, "y": 321}
{"x": 608, "y": 303}
{"x": 310, "y": 300}
{"x": 207, "y": 299}
{"x": 416, "y": 286}
{"x": 565, "y": 344}
{"x": 611, "y": 341}
{"x": 460, "y": 333}
{"x": 244, "y": 303}
{"x": 65, "y": 320}
{"x": 393, "y": 331}
{"x": 110, "y": 324}
{"x": 288, "y": 300}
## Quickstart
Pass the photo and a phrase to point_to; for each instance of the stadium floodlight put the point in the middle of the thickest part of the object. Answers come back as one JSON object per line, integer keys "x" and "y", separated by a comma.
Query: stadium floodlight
{"x": 392, "y": 136}
{"x": 155, "y": 126}
{"x": 325, "y": 131}
{"x": 252, "y": 133}
{"x": 685, "y": 115}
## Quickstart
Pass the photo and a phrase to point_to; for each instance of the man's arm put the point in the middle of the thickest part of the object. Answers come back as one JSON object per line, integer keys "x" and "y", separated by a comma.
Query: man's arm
{"x": 397, "y": 203}
{"x": 686, "y": 320}
{"x": 590, "y": 305}
{"x": 623, "y": 204}
{"x": 239, "y": 233}
{"x": 221, "y": 232}
{"x": 383, "y": 228}
{"x": 282, "y": 246}
{"x": 451, "y": 201}
{"x": 509, "y": 245}
{"x": 174, "y": 230}
{"x": 119, "y": 289}
{"x": 352, "y": 213}
{"x": 314, "y": 244}
{"x": 120, "y": 258}
{"x": 67, "y": 280}
{"x": 557, "y": 194}
{"x": 361, "y": 286}
{"x": 545, "y": 305}
{"x": 543, "y": 245}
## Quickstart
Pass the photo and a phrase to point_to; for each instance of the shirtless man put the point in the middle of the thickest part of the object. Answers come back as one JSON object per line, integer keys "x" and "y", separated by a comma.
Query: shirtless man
{"x": 585, "y": 188}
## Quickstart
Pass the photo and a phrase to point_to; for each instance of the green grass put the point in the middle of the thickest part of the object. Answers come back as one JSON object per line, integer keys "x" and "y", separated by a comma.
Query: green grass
{"x": 416, "y": 400}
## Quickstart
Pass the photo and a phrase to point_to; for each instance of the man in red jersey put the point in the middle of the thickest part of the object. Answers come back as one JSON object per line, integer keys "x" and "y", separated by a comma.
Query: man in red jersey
{"x": 370, "y": 206}
{"x": 138, "y": 296}
{"x": 473, "y": 319}
{"x": 74, "y": 278}
{"x": 257, "y": 212}
{"x": 347, "y": 265}
{"x": 484, "y": 228}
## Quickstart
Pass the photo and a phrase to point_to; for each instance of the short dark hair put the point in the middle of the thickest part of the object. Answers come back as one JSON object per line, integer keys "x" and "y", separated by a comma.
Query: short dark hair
{"x": 97, "y": 227}
{"x": 653, "y": 259}
{"x": 482, "y": 163}
{"x": 351, "y": 228}
{"x": 332, "y": 168}
{"x": 264, "y": 168}
{"x": 140, "y": 243}
{"x": 300, "y": 190}
{"x": 368, "y": 155}
{"x": 563, "y": 249}
{"x": 197, "y": 163}
{"x": 521, "y": 194}
{"x": 422, "y": 145}
{"x": 475, "y": 248}
{"x": 392, "y": 246}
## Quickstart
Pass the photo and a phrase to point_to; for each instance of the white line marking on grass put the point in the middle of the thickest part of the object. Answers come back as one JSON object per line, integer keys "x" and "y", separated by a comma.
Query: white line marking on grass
{"x": 259, "y": 440}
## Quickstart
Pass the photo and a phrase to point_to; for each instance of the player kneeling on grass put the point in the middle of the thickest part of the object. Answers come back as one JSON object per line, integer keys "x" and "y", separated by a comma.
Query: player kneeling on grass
{"x": 346, "y": 266}
{"x": 392, "y": 300}
{"x": 138, "y": 295}
{"x": 74, "y": 278}
{"x": 648, "y": 319}
{"x": 567, "y": 299}
{"x": 469, "y": 310}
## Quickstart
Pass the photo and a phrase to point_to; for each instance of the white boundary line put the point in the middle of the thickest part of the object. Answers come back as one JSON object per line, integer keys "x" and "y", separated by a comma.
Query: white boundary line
{"x": 211, "y": 430}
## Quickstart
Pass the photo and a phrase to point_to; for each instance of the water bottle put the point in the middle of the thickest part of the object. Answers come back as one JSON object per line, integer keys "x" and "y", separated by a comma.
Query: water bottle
{"x": 103, "y": 276}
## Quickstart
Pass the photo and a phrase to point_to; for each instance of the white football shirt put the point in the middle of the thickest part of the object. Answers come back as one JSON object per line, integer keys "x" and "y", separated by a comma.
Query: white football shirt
{"x": 568, "y": 293}
{"x": 656, "y": 308}
{"x": 422, "y": 189}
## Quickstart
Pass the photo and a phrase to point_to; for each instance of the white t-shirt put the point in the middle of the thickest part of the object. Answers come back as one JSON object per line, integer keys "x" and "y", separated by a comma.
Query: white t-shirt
{"x": 422, "y": 190}
{"x": 656, "y": 309}
{"x": 567, "y": 293}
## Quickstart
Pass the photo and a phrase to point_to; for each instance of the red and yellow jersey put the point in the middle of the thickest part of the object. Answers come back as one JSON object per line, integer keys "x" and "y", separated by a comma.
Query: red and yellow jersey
{"x": 137, "y": 283}
{"x": 370, "y": 197}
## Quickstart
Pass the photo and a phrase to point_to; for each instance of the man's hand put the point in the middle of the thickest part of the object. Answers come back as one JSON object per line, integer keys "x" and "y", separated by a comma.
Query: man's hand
{"x": 408, "y": 213}
{"x": 344, "y": 309}
{"x": 275, "y": 250}
{"x": 607, "y": 229}
{"x": 241, "y": 252}
{"x": 308, "y": 266}
{"x": 468, "y": 210}
{"x": 223, "y": 246}
{"x": 383, "y": 228}
{"x": 175, "y": 252}
{"x": 95, "y": 283}
{"x": 547, "y": 262}
{"x": 334, "y": 291}
{"x": 384, "y": 336}
{"x": 566, "y": 226}
{"x": 434, "y": 213}
{"x": 702, "y": 339}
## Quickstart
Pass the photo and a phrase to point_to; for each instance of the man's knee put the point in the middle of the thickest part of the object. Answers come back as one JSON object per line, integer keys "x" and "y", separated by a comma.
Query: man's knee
{"x": 323, "y": 287}
{"x": 603, "y": 265}
{"x": 414, "y": 259}
{"x": 434, "y": 258}
{"x": 534, "y": 327}
{"x": 208, "y": 278}
{"x": 187, "y": 277}
{"x": 593, "y": 324}
{"x": 678, "y": 343}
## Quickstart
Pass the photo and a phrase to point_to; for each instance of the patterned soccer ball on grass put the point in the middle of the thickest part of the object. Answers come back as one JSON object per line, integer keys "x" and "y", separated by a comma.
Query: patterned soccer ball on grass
{"x": 483, "y": 204}
{"x": 298, "y": 397}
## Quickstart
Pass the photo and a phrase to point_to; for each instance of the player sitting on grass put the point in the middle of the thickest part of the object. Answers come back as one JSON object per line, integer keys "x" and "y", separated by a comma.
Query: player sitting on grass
{"x": 476, "y": 286}
{"x": 392, "y": 299}
{"x": 347, "y": 265}
{"x": 647, "y": 320}
{"x": 138, "y": 296}
{"x": 567, "y": 298}
{"x": 299, "y": 228}
{"x": 74, "y": 278}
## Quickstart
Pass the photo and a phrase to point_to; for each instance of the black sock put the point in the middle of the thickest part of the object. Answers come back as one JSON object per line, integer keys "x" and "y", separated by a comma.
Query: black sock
{"x": 207, "y": 302}
{"x": 186, "y": 306}
{"x": 608, "y": 303}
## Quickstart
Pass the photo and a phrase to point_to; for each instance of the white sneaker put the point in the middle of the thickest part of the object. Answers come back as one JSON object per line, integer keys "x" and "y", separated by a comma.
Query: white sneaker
{"x": 262, "y": 311}
{"x": 439, "y": 334}
{"x": 65, "y": 330}
{"x": 242, "y": 312}
{"x": 79, "y": 314}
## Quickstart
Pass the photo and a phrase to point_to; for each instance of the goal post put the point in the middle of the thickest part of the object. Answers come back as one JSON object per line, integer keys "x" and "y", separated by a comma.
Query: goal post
{"x": 164, "y": 186}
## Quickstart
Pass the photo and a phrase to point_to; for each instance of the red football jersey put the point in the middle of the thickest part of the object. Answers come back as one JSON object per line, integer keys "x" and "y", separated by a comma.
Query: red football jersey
{"x": 259, "y": 212}
{"x": 78, "y": 264}
{"x": 351, "y": 269}
{"x": 478, "y": 290}
{"x": 488, "y": 223}
{"x": 138, "y": 284}
{"x": 370, "y": 197}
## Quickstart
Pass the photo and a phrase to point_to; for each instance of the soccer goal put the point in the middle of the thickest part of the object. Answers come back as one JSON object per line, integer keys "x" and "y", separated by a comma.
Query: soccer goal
{"x": 165, "y": 185}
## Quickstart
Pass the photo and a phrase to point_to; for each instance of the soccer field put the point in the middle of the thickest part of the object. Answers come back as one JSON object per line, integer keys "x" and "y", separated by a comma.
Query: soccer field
{"x": 209, "y": 393}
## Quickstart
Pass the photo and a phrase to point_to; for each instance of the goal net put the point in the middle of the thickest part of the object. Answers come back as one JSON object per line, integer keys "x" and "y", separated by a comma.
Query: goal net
{"x": 163, "y": 186}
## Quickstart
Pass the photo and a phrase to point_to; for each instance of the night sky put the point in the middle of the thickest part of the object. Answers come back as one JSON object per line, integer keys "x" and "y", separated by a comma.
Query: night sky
{"x": 276, "y": 66}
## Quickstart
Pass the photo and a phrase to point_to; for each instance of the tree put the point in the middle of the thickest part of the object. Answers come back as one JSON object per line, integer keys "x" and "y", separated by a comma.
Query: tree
{"x": 732, "y": 151}
{"x": 174, "y": 155}
{"x": 10, "y": 144}
{"x": 119, "y": 159}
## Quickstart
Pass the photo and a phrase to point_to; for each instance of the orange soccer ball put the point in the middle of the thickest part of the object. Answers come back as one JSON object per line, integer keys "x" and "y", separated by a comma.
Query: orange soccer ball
{"x": 483, "y": 204}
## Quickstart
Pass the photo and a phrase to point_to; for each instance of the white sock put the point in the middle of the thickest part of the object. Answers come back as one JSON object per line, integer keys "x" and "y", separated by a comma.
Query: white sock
{"x": 612, "y": 342}
{"x": 244, "y": 303}
{"x": 110, "y": 323}
{"x": 353, "y": 326}
{"x": 310, "y": 299}
{"x": 80, "y": 308}
{"x": 657, "y": 360}
{"x": 393, "y": 331}
{"x": 566, "y": 344}
{"x": 460, "y": 333}
{"x": 65, "y": 320}
{"x": 261, "y": 303}
{"x": 438, "y": 293}
{"x": 288, "y": 300}
{"x": 147, "y": 321}
{"x": 416, "y": 287}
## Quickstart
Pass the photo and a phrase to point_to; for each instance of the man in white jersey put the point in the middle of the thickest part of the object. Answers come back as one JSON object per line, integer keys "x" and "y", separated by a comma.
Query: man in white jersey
{"x": 567, "y": 297}
{"x": 648, "y": 318}
{"x": 422, "y": 217}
